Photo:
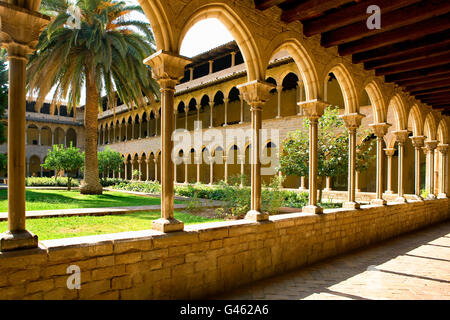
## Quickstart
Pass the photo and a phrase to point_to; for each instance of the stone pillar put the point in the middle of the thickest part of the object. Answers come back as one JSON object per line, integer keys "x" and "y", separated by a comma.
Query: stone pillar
{"x": 358, "y": 189}
{"x": 352, "y": 122}
{"x": 186, "y": 111}
{"x": 132, "y": 129}
{"x": 211, "y": 170}
{"x": 42, "y": 172}
{"x": 126, "y": 131}
{"x": 302, "y": 183}
{"x": 156, "y": 168}
{"x": 186, "y": 160}
{"x": 401, "y": 137}
{"x": 20, "y": 31}
{"x": 197, "y": 107}
{"x": 147, "y": 161}
{"x": 211, "y": 62}
{"x": 148, "y": 127}
{"x": 443, "y": 149}
{"x": 389, "y": 154}
{"x": 27, "y": 166}
{"x": 242, "y": 110}
{"x": 125, "y": 169}
{"x": 233, "y": 59}
{"x": 313, "y": 110}
{"x": 328, "y": 184}
{"x": 157, "y": 117}
{"x": 380, "y": 130}
{"x": 140, "y": 129}
{"x": 104, "y": 136}
{"x": 191, "y": 74}
{"x": 418, "y": 143}
{"x": 225, "y": 164}
{"x": 279, "y": 90}
{"x": 198, "y": 160}
{"x": 256, "y": 93}
{"x": 140, "y": 169}
{"x": 211, "y": 106}
{"x": 299, "y": 96}
{"x": 430, "y": 146}
{"x": 168, "y": 70}
{"x": 40, "y": 136}
{"x": 226, "y": 112}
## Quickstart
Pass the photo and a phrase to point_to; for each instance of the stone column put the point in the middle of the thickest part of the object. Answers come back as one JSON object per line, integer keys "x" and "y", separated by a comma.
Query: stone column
{"x": 401, "y": 137}
{"x": 157, "y": 117}
{"x": 40, "y": 136}
{"x": 211, "y": 170}
{"x": 226, "y": 100}
{"x": 191, "y": 74}
{"x": 211, "y": 106}
{"x": 225, "y": 169}
{"x": 140, "y": 169}
{"x": 242, "y": 110}
{"x": 211, "y": 66}
{"x": 443, "y": 149}
{"x": 132, "y": 129}
{"x": 352, "y": 122}
{"x": 380, "y": 130}
{"x": 357, "y": 182}
{"x": 168, "y": 70}
{"x": 313, "y": 110}
{"x": 104, "y": 136}
{"x": 42, "y": 172}
{"x": 233, "y": 59}
{"x": 430, "y": 146}
{"x": 302, "y": 183}
{"x": 20, "y": 31}
{"x": 242, "y": 162}
{"x": 186, "y": 160}
{"x": 174, "y": 173}
{"x": 256, "y": 93}
{"x": 279, "y": 90}
{"x": 156, "y": 168}
{"x": 198, "y": 160}
{"x": 126, "y": 131}
{"x": 418, "y": 143}
{"x": 186, "y": 111}
{"x": 27, "y": 166}
{"x": 389, "y": 154}
{"x": 197, "y": 107}
{"x": 299, "y": 96}
{"x": 125, "y": 169}
{"x": 327, "y": 184}
{"x": 147, "y": 161}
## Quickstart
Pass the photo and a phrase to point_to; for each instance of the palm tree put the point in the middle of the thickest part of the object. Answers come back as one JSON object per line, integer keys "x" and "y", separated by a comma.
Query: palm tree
{"x": 98, "y": 46}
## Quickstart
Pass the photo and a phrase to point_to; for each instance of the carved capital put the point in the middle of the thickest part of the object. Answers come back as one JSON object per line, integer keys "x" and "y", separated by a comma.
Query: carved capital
{"x": 167, "y": 68}
{"x": 417, "y": 141}
{"x": 256, "y": 93}
{"x": 352, "y": 120}
{"x": 313, "y": 109}
{"x": 389, "y": 151}
{"x": 401, "y": 135}
{"x": 380, "y": 129}
{"x": 443, "y": 148}
{"x": 430, "y": 145}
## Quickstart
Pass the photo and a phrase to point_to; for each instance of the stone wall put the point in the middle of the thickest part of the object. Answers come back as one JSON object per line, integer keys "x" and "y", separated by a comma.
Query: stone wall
{"x": 206, "y": 259}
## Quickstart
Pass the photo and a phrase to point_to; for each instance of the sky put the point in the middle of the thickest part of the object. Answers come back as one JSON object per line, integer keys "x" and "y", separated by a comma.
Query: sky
{"x": 203, "y": 36}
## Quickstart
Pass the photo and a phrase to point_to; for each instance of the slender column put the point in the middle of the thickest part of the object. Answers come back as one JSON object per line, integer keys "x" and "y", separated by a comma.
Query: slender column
{"x": 126, "y": 131}
{"x": 256, "y": 93}
{"x": 226, "y": 100}
{"x": 40, "y": 136}
{"x": 211, "y": 106}
{"x": 211, "y": 62}
{"x": 242, "y": 110}
{"x": 402, "y": 137}
{"x": 198, "y": 161}
{"x": 191, "y": 74}
{"x": 380, "y": 130}
{"x": 418, "y": 143}
{"x": 186, "y": 111}
{"x": 279, "y": 90}
{"x": 211, "y": 170}
{"x": 313, "y": 110}
{"x": 327, "y": 184}
{"x": 27, "y": 165}
{"x": 358, "y": 189}
{"x": 242, "y": 162}
{"x": 140, "y": 169}
{"x": 430, "y": 146}
{"x": 147, "y": 161}
{"x": 168, "y": 70}
{"x": 157, "y": 117}
{"x": 186, "y": 160}
{"x": 233, "y": 59}
{"x": 42, "y": 172}
{"x": 174, "y": 173}
{"x": 120, "y": 132}
{"x": 104, "y": 136}
{"x": 299, "y": 96}
{"x": 302, "y": 183}
{"x": 225, "y": 168}
{"x": 26, "y": 135}
{"x": 352, "y": 122}
{"x": 125, "y": 169}
{"x": 443, "y": 149}
{"x": 198, "y": 111}
{"x": 389, "y": 154}
{"x": 156, "y": 168}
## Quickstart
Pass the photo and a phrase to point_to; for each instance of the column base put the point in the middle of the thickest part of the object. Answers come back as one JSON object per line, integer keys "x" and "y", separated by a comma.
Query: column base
{"x": 401, "y": 200}
{"x": 167, "y": 225}
{"x": 417, "y": 197}
{"x": 16, "y": 240}
{"x": 312, "y": 209}
{"x": 257, "y": 216}
{"x": 357, "y": 190}
{"x": 378, "y": 202}
{"x": 351, "y": 205}
{"x": 389, "y": 192}
{"x": 327, "y": 189}
{"x": 442, "y": 196}
{"x": 277, "y": 117}
{"x": 302, "y": 188}
{"x": 431, "y": 196}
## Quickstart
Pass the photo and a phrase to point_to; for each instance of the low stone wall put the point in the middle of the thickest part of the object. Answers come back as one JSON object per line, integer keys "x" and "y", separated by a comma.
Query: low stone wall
{"x": 205, "y": 259}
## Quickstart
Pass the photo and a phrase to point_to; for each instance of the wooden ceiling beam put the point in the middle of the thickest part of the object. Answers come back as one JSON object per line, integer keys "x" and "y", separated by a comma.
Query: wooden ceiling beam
{"x": 310, "y": 9}
{"x": 427, "y": 52}
{"x": 431, "y": 85}
{"x": 390, "y": 21}
{"x": 266, "y": 4}
{"x": 350, "y": 15}
{"x": 422, "y": 93}
{"x": 409, "y": 46}
{"x": 415, "y": 65}
{"x": 445, "y": 76}
{"x": 416, "y": 74}
{"x": 415, "y": 31}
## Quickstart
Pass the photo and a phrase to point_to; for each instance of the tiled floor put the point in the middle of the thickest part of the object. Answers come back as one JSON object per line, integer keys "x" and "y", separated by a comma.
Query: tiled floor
{"x": 413, "y": 266}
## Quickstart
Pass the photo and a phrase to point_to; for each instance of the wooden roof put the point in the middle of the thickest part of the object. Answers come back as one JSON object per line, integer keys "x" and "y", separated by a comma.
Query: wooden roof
{"x": 412, "y": 48}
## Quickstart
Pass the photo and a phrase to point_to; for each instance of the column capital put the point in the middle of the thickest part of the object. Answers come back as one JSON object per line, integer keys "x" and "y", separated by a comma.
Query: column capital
{"x": 417, "y": 141}
{"x": 125, "y": 162}
{"x": 256, "y": 92}
{"x": 313, "y": 109}
{"x": 380, "y": 129}
{"x": 186, "y": 109}
{"x": 167, "y": 68}
{"x": 352, "y": 120}
{"x": 389, "y": 151}
{"x": 442, "y": 148}
{"x": 20, "y": 29}
{"x": 401, "y": 135}
{"x": 430, "y": 145}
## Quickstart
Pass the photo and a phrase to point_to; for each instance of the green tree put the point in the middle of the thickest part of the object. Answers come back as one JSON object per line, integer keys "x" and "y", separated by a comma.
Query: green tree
{"x": 108, "y": 161}
{"x": 101, "y": 50}
{"x": 68, "y": 159}
{"x": 3, "y": 162}
{"x": 3, "y": 95}
{"x": 332, "y": 149}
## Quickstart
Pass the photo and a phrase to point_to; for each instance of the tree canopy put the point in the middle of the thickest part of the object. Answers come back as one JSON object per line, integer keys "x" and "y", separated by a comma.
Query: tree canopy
{"x": 109, "y": 161}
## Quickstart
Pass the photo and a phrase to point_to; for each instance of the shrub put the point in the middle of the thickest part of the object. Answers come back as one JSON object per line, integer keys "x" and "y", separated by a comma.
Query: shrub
{"x": 50, "y": 182}
{"x": 139, "y": 186}
{"x": 107, "y": 182}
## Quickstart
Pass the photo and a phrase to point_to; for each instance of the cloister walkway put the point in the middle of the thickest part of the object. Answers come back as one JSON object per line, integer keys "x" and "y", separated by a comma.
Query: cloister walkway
{"x": 412, "y": 266}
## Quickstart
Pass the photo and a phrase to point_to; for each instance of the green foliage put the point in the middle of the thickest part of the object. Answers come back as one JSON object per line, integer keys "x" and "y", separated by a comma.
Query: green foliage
{"x": 295, "y": 199}
{"x": 136, "y": 174}
{"x": 107, "y": 182}
{"x": 109, "y": 161}
{"x": 3, "y": 162}
{"x": 364, "y": 150}
{"x": 68, "y": 159}
{"x": 424, "y": 193}
{"x": 50, "y": 182}
{"x": 3, "y": 95}
{"x": 273, "y": 196}
{"x": 144, "y": 186}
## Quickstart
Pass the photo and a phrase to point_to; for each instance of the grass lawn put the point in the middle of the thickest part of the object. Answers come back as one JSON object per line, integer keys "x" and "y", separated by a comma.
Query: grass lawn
{"x": 62, "y": 199}
{"x": 67, "y": 227}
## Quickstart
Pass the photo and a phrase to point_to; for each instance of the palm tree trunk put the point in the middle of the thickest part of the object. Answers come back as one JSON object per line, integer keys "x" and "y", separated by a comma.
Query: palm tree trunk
{"x": 91, "y": 183}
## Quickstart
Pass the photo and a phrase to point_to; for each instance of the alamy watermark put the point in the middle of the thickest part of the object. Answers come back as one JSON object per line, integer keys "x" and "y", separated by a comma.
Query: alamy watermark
{"x": 374, "y": 20}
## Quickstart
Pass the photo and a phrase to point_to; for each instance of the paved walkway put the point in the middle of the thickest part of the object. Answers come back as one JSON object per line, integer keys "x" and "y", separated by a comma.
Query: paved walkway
{"x": 413, "y": 266}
